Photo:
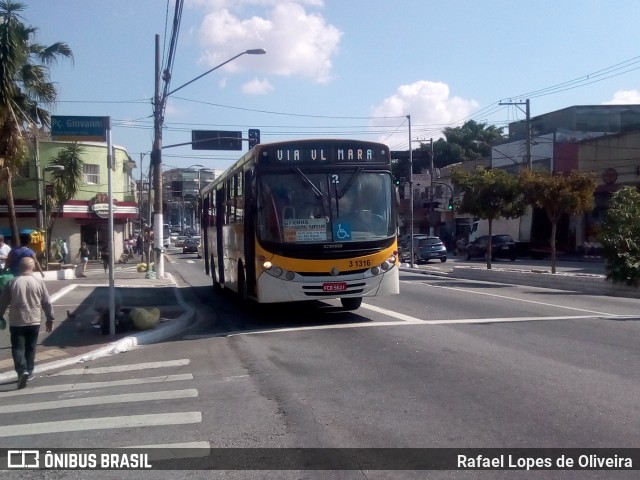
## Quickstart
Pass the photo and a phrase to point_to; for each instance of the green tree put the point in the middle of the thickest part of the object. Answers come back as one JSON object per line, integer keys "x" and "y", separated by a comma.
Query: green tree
{"x": 66, "y": 183}
{"x": 457, "y": 146}
{"x": 558, "y": 195}
{"x": 24, "y": 86}
{"x": 620, "y": 237}
{"x": 460, "y": 143}
{"x": 489, "y": 194}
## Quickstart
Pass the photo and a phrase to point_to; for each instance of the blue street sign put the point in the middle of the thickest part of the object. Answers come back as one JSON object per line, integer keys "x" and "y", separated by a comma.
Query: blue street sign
{"x": 77, "y": 128}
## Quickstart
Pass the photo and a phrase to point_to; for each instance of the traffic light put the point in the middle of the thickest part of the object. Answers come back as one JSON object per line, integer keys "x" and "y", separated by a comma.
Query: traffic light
{"x": 450, "y": 206}
{"x": 254, "y": 137}
{"x": 396, "y": 181}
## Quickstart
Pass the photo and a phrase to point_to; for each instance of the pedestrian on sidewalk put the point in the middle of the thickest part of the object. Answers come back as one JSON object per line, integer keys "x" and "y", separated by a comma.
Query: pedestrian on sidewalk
{"x": 65, "y": 252}
{"x": 139, "y": 247}
{"x": 17, "y": 253}
{"x": 25, "y": 295}
{"x": 104, "y": 255}
{"x": 4, "y": 253}
{"x": 83, "y": 253}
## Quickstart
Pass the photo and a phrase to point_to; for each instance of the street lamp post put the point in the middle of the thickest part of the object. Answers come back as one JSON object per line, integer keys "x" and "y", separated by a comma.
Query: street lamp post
{"x": 44, "y": 196}
{"x": 159, "y": 104}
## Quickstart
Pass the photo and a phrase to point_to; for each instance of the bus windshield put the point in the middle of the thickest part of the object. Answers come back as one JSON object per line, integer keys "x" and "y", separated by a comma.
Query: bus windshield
{"x": 301, "y": 207}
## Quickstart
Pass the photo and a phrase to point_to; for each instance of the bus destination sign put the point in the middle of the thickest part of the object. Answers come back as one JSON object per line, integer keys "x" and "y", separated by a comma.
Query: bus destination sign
{"x": 318, "y": 152}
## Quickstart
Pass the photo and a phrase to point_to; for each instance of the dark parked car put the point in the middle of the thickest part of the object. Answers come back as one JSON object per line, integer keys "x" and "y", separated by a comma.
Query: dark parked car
{"x": 190, "y": 245}
{"x": 404, "y": 247}
{"x": 428, "y": 248}
{"x": 502, "y": 246}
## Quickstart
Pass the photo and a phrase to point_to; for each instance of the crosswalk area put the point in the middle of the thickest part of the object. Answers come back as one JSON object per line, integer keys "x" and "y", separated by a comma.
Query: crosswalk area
{"x": 104, "y": 407}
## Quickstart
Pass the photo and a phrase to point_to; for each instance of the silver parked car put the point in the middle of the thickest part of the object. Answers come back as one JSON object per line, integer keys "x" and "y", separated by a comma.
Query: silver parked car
{"x": 430, "y": 248}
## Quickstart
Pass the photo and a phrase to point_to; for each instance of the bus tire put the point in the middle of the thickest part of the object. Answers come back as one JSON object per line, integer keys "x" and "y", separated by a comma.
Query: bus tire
{"x": 243, "y": 294}
{"x": 242, "y": 284}
{"x": 216, "y": 285}
{"x": 351, "y": 303}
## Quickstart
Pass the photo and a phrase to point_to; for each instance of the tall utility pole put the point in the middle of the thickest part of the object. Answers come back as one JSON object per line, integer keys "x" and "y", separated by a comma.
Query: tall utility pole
{"x": 156, "y": 161}
{"x": 410, "y": 190}
{"x": 528, "y": 137}
{"x": 431, "y": 186}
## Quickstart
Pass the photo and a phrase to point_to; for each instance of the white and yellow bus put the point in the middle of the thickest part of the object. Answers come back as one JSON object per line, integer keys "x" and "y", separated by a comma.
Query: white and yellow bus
{"x": 304, "y": 220}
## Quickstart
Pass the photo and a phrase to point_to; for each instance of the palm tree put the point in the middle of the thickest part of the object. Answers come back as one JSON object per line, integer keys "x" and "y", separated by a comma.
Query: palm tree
{"x": 24, "y": 86}
{"x": 66, "y": 182}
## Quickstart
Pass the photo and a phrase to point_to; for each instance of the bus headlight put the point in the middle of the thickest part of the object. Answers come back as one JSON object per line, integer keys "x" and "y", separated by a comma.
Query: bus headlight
{"x": 278, "y": 272}
{"x": 387, "y": 264}
{"x": 375, "y": 271}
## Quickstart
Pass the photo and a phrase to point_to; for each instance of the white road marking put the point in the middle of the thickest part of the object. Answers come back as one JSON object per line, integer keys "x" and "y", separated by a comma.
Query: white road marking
{"x": 78, "y": 387}
{"x": 53, "y": 298}
{"x": 415, "y": 321}
{"x": 519, "y": 299}
{"x": 123, "y": 368}
{"x": 102, "y": 400}
{"x": 101, "y": 423}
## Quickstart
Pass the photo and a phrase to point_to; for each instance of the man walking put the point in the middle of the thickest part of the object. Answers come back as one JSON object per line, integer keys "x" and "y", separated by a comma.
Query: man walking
{"x": 19, "y": 252}
{"x": 25, "y": 295}
{"x": 4, "y": 253}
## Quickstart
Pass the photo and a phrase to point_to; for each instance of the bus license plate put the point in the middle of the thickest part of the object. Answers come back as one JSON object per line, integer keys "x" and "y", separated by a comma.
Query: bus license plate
{"x": 334, "y": 286}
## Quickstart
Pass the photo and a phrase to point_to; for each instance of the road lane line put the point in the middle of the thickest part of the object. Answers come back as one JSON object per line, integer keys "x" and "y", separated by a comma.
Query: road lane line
{"x": 520, "y": 300}
{"x": 123, "y": 368}
{"x": 78, "y": 387}
{"x": 54, "y": 297}
{"x": 404, "y": 323}
{"x": 101, "y": 423}
{"x": 415, "y": 321}
{"x": 102, "y": 400}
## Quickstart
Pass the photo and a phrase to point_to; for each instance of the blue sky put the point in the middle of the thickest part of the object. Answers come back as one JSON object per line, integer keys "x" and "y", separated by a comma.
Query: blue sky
{"x": 336, "y": 68}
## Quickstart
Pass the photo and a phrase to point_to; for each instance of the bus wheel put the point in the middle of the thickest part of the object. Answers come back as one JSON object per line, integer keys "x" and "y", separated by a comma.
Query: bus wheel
{"x": 351, "y": 303}
{"x": 216, "y": 285}
{"x": 242, "y": 284}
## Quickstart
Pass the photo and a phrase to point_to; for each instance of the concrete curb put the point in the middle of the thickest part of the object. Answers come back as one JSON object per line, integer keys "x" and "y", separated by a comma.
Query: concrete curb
{"x": 162, "y": 332}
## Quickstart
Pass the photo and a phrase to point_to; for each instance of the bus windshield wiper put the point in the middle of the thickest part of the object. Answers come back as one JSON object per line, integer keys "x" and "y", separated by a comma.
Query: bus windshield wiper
{"x": 316, "y": 191}
{"x": 350, "y": 182}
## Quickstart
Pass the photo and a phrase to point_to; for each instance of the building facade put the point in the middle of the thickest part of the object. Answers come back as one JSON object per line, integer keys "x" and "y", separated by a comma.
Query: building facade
{"x": 181, "y": 192}
{"x": 85, "y": 217}
{"x": 602, "y": 139}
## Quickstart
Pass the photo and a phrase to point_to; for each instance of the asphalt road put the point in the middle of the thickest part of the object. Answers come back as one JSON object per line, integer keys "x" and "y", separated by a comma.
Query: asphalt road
{"x": 448, "y": 363}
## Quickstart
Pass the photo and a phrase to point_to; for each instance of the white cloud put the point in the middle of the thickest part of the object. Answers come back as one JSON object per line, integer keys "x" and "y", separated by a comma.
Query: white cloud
{"x": 257, "y": 87}
{"x": 298, "y": 42}
{"x": 430, "y": 105}
{"x": 624, "y": 97}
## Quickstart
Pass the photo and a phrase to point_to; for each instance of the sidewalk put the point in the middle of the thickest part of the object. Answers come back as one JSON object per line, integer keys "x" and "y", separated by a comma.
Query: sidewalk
{"x": 75, "y": 339}
{"x": 586, "y": 276}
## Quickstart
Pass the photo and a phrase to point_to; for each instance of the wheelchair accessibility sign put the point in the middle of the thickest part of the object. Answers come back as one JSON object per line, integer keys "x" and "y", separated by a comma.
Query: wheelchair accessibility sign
{"x": 342, "y": 231}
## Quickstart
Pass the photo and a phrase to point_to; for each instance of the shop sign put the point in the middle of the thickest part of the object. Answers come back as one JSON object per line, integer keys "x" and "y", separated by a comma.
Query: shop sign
{"x": 100, "y": 205}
